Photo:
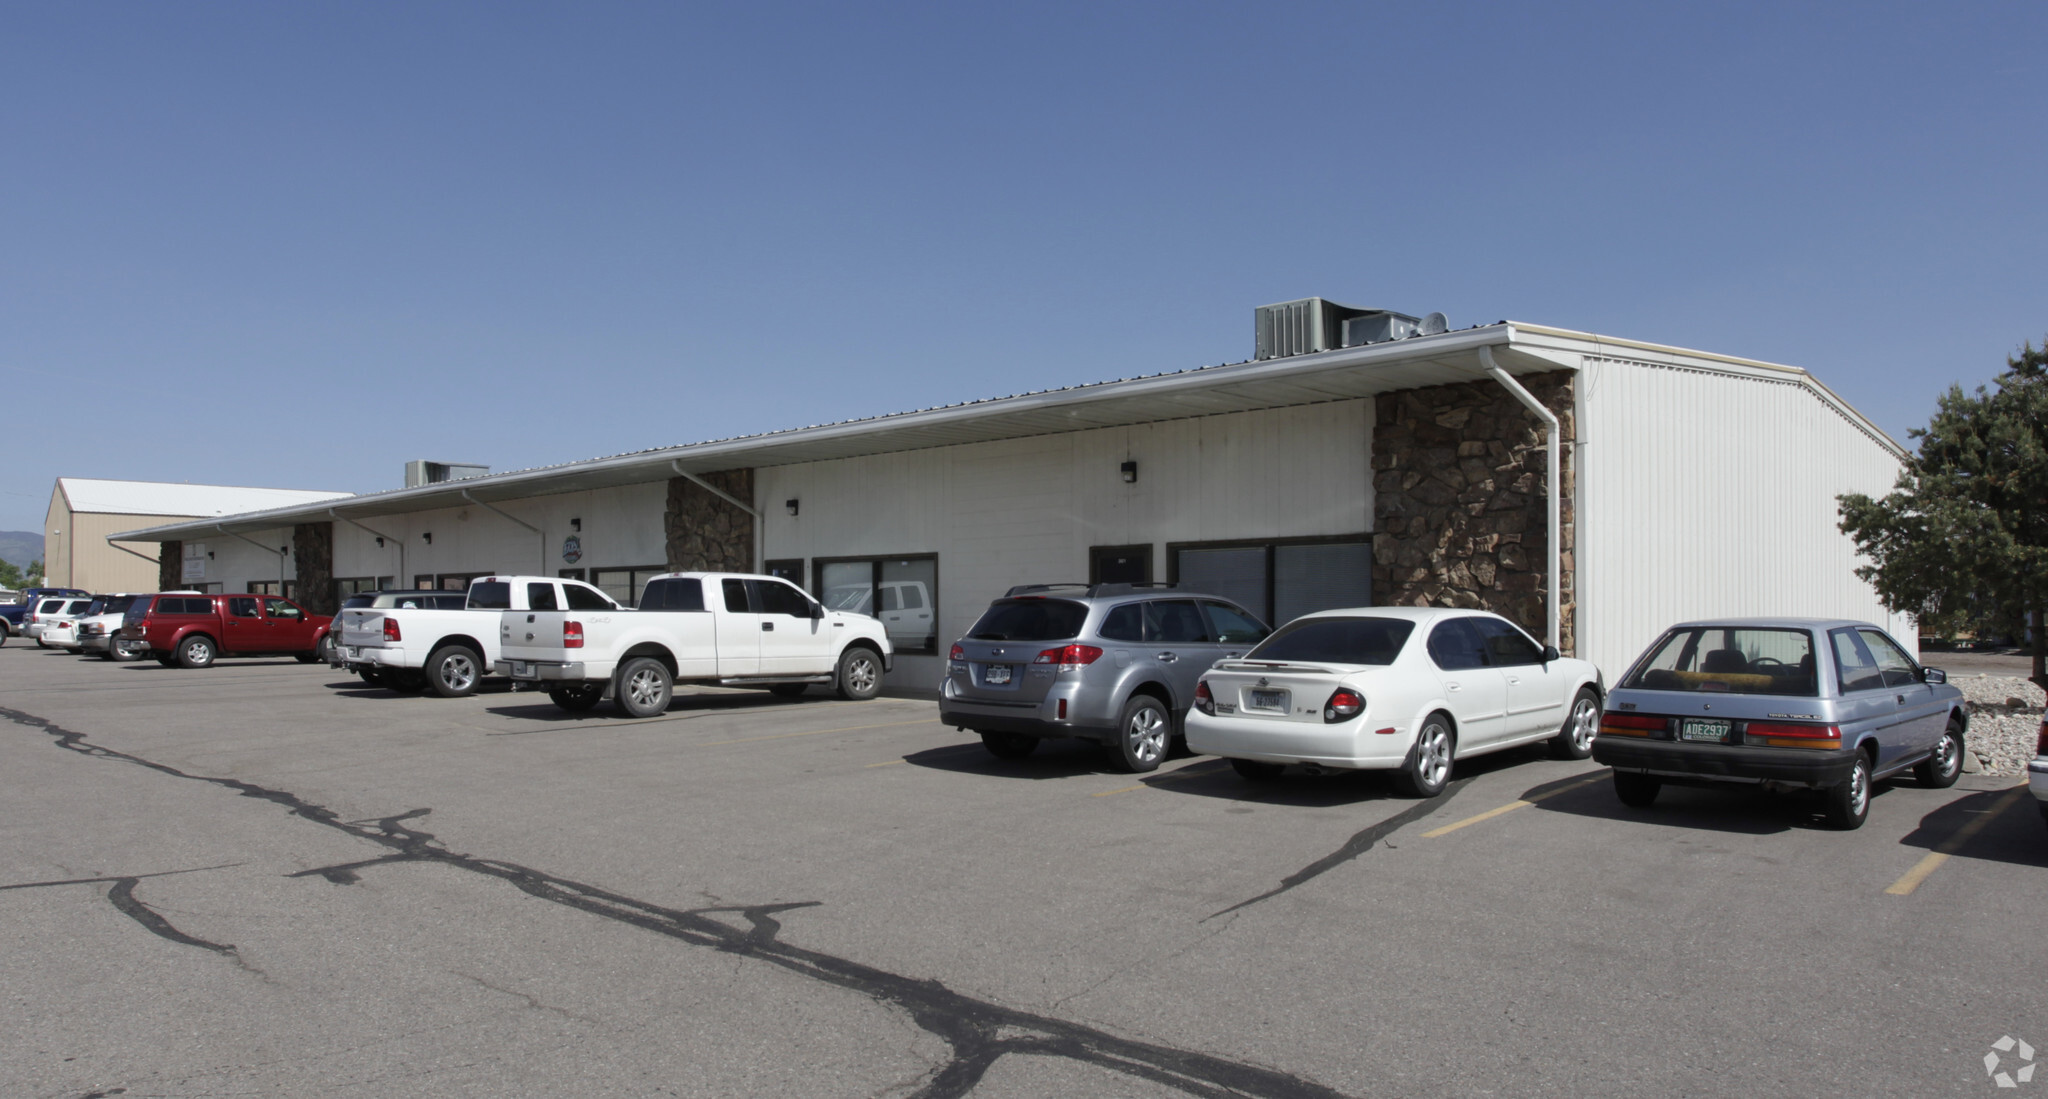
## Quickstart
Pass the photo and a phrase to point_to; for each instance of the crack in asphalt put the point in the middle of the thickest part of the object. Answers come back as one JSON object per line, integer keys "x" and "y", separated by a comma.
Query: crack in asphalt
{"x": 978, "y": 1032}
{"x": 1357, "y": 845}
{"x": 122, "y": 896}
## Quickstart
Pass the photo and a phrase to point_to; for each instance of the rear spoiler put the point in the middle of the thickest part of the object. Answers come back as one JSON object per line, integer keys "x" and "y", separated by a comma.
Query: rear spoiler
{"x": 1270, "y": 666}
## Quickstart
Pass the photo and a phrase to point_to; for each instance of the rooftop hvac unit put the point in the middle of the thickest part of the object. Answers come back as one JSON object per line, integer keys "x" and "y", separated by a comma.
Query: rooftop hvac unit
{"x": 1316, "y": 324}
{"x": 428, "y": 473}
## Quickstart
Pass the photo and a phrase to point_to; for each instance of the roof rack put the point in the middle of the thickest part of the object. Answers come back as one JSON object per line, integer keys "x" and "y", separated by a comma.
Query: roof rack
{"x": 1126, "y": 587}
{"x": 1026, "y": 589}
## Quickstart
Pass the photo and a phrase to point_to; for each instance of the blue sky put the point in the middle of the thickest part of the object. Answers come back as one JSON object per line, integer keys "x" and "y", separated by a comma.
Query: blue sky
{"x": 295, "y": 245}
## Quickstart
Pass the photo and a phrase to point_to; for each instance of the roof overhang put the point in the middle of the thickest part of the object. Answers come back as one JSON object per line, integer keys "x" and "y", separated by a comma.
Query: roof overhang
{"x": 1237, "y": 387}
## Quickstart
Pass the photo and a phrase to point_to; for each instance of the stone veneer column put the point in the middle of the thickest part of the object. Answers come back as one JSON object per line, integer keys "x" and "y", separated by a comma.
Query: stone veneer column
{"x": 170, "y": 566}
{"x": 1458, "y": 509}
{"x": 706, "y": 533}
{"x": 313, "y": 560}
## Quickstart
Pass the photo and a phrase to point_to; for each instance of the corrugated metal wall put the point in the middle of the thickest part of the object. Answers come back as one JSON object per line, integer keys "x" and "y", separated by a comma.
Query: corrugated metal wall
{"x": 1713, "y": 493}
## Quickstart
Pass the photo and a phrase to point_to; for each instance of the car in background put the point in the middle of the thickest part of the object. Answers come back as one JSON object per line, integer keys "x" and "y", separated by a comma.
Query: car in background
{"x": 51, "y": 611}
{"x": 13, "y": 614}
{"x": 193, "y": 630}
{"x": 442, "y": 640}
{"x": 60, "y": 630}
{"x": 101, "y": 624}
{"x": 1403, "y": 689}
{"x": 1787, "y": 703}
{"x": 1112, "y": 663}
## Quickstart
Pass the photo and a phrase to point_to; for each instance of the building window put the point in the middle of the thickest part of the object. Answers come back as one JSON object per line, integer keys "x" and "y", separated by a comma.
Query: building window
{"x": 345, "y": 586}
{"x": 272, "y": 587}
{"x": 1280, "y": 580}
{"x": 1120, "y": 564}
{"x": 790, "y": 569}
{"x": 454, "y": 581}
{"x": 626, "y": 584}
{"x": 901, "y": 591}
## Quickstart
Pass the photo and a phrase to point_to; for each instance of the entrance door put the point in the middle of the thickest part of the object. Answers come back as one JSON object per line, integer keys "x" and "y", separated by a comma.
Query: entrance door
{"x": 1120, "y": 564}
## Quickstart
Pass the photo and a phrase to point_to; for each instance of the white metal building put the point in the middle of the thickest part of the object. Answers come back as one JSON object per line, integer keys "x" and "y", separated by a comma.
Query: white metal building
{"x": 77, "y": 552}
{"x": 1406, "y": 470}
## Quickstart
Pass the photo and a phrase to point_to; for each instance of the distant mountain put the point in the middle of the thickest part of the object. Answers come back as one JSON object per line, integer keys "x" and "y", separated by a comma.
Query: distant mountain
{"x": 19, "y": 547}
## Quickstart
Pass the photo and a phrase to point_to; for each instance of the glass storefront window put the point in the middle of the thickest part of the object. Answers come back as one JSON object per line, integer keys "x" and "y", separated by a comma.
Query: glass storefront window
{"x": 901, "y": 591}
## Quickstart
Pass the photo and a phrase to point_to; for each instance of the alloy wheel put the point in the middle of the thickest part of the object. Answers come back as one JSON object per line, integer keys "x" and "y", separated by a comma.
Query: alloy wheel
{"x": 458, "y": 673}
{"x": 1147, "y": 734}
{"x": 860, "y": 675}
{"x": 1585, "y": 724}
{"x": 1435, "y": 755}
{"x": 644, "y": 688}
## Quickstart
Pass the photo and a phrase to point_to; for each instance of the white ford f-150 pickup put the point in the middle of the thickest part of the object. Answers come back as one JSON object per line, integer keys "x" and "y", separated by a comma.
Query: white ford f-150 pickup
{"x": 412, "y": 639}
{"x": 728, "y": 629}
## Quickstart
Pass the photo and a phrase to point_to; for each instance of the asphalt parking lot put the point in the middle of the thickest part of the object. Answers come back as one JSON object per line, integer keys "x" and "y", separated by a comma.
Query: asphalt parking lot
{"x": 265, "y": 878}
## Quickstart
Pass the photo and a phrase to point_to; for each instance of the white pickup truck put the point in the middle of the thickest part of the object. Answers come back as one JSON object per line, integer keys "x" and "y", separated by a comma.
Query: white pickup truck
{"x": 728, "y": 629}
{"x": 444, "y": 641}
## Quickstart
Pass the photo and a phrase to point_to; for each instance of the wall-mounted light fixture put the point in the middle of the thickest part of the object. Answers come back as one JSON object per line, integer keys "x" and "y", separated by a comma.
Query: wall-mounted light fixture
{"x": 209, "y": 555}
{"x": 790, "y": 504}
{"x": 1130, "y": 472}
{"x": 576, "y": 524}
{"x": 380, "y": 541}
{"x": 428, "y": 537}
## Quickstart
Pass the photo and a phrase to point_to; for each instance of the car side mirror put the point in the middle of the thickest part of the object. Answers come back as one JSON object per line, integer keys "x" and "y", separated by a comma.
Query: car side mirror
{"x": 1550, "y": 653}
{"x": 817, "y": 612}
{"x": 1933, "y": 675}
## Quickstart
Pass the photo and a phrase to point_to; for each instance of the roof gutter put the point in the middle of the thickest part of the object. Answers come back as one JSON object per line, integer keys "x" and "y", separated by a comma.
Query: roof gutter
{"x": 1553, "y": 521}
{"x": 335, "y": 513}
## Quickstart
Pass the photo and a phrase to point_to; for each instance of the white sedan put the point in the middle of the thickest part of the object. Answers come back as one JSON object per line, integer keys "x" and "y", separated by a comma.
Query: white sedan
{"x": 1406, "y": 689}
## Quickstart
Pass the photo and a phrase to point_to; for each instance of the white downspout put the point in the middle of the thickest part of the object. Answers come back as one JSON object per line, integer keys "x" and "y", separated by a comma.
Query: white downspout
{"x": 281, "y": 552}
{"x": 529, "y": 526}
{"x": 401, "y": 578}
{"x": 1553, "y": 519}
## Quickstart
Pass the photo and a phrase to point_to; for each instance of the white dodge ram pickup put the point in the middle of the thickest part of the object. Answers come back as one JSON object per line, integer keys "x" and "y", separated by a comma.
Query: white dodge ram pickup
{"x": 728, "y": 629}
{"x": 408, "y": 640}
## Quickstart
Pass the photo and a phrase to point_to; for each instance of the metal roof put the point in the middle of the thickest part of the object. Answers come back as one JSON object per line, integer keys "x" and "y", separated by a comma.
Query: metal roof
{"x": 1201, "y": 391}
{"x": 159, "y": 498}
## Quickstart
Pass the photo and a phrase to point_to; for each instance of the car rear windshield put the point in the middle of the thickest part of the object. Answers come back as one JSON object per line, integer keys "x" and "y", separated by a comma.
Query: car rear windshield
{"x": 1030, "y": 620}
{"x": 1345, "y": 640}
{"x": 1729, "y": 660}
{"x": 490, "y": 595}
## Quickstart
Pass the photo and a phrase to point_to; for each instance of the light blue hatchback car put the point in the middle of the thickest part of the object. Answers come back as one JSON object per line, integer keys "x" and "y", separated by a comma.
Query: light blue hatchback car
{"x": 1825, "y": 704}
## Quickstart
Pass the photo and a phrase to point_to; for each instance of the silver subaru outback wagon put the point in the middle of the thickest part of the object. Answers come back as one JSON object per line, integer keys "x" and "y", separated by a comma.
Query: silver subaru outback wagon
{"x": 1112, "y": 663}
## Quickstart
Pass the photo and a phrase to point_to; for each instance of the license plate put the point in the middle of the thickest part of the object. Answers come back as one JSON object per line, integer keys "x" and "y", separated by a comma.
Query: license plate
{"x": 1715, "y": 732}
{"x": 996, "y": 674}
{"x": 1266, "y": 700}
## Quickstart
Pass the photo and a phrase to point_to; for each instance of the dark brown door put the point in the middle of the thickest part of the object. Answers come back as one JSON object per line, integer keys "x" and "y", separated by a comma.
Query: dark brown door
{"x": 1120, "y": 564}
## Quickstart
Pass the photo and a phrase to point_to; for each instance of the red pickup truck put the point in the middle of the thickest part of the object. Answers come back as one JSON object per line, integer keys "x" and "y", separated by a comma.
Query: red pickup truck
{"x": 192, "y": 630}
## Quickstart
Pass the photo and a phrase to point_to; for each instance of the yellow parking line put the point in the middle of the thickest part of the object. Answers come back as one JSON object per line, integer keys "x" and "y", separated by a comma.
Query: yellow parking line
{"x": 888, "y": 763}
{"x": 818, "y": 732}
{"x": 1170, "y": 776}
{"x": 1508, "y": 808}
{"x": 1932, "y": 861}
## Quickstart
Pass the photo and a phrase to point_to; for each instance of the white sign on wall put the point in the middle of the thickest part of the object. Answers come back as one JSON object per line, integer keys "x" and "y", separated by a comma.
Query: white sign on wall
{"x": 195, "y": 568}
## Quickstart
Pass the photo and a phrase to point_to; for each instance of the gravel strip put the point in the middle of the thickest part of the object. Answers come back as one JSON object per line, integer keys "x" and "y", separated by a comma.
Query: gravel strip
{"x": 2005, "y": 720}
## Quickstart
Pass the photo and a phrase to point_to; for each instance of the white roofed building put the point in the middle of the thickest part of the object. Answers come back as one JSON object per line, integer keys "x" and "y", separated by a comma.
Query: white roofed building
{"x": 84, "y": 511}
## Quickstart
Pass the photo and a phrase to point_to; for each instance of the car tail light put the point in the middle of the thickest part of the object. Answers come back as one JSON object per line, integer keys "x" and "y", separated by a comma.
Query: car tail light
{"x": 1774, "y": 734}
{"x": 958, "y": 653}
{"x": 1632, "y": 724}
{"x": 391, "y": 631}
{"x": 1344, "y": 704}
{"x": 572, "y": 635}
{"x": 1071, "y": 656}
{"x": 1204, "y": 701}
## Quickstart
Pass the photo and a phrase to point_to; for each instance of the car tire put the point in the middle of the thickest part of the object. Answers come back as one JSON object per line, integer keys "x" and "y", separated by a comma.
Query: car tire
{"x": 1941, "y": 770}
{"x": 321, "y": 654}
{"x": 1144, "y": 734}
{"x": 1253, "y": 770}
{"x": 453, "y": 671}
{"x": 1636, "y": 791}
{"x": 1848, "y": 801}
{"x": 119, "y": 655}
{"x": 644, "y": 687}
{"x": 788, "y": 690}
{"x": 42, "y": 644}
{"x": 859, "y": 676}
{"x": 576, "y": 699}
{"x": 1427, "y": 770}
{"x": 1581, "y": 725}
{"x": 1009, "y": 745}
{"x": 196, "y": 652}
